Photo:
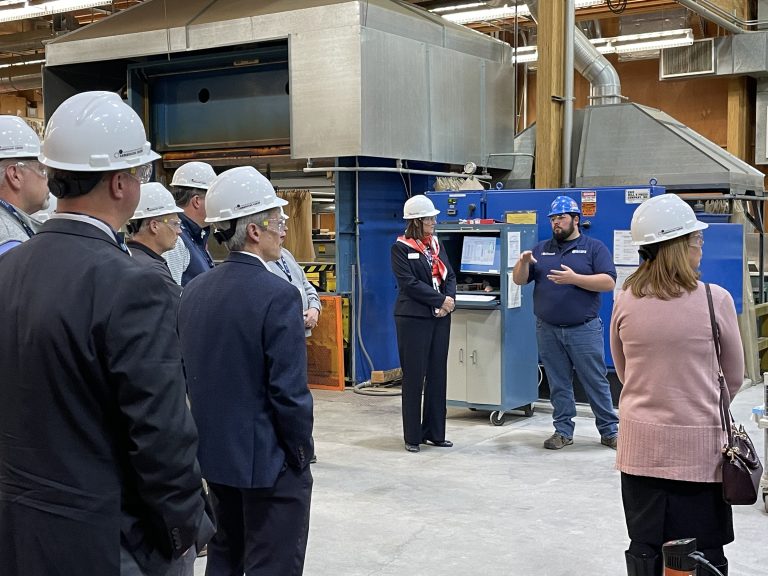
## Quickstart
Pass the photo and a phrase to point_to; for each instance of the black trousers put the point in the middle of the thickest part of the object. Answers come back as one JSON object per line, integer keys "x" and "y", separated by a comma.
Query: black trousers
{"x": 423, "y": 347}
{"x": 659, "y": 510}
{"x": 261, "y": 531}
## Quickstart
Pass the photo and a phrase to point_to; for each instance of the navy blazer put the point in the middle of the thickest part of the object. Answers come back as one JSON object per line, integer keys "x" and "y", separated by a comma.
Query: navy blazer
{"x": 242, "y": 336}
{"x": 96, "y": 442}
{"x": 417, "y": 296}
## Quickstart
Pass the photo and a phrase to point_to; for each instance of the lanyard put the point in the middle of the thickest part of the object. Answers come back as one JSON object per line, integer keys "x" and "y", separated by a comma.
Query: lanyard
{"x": 284, "y": 268}
{"x": 12, "y": 211}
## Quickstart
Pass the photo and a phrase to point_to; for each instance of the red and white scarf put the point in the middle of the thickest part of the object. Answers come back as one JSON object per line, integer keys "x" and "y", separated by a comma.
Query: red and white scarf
{"x": 439, "y": 270}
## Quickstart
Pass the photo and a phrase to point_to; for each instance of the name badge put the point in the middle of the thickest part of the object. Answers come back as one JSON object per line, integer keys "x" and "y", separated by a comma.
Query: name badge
{"x": 413, "y": 255}
{"x": 579, "y": 251}
{"x": 549, "y": 253}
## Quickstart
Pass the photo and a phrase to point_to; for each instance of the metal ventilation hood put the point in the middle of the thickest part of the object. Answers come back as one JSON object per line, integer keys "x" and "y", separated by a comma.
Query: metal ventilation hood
{"x": 628, "y": 144}
{"x": 375, "y": 78}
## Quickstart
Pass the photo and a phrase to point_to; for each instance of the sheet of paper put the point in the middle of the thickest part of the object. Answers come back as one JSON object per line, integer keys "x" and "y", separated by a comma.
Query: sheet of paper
{"x": 624, "y": 253}
{"x": 513, "y": 248}
{"x": 622, "y": 273}
{"x": 514, "y": 292}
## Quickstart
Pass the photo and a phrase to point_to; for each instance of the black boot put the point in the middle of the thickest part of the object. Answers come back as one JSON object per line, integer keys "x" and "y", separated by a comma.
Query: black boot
{"x": 642, "y": 565}
{"x": 723, "y": 568}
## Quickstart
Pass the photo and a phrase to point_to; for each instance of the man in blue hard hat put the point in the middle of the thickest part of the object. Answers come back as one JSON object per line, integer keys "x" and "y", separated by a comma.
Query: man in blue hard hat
{"x": 570, "y": 271}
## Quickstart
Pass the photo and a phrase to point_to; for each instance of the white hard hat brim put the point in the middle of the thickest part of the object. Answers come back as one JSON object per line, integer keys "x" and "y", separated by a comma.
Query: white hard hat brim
{"x": 434, "y": 212}
{"x": 276, "y": 203}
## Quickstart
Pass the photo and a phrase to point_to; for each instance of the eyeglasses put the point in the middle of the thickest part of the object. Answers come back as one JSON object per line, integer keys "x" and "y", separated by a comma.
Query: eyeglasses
{"x": 36, "y": 167}
{"x": 558, "y": 217}
{"x": 174, "y": 223}
{"x": 429, "y": 219}
{"x": 280, "y": 223}
{"x": 696, "y": 240}
{"x": 142, "y": 173}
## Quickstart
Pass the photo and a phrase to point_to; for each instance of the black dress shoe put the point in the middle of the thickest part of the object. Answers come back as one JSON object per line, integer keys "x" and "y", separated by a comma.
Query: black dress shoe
{"x": 412, "y": 447}
{"x": 439, "y": 443}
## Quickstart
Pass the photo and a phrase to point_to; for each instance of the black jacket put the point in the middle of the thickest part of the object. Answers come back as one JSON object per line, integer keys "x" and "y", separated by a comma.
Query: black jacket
{"x": 97, "y": 446}
{"x": 416, "y": 296}
{"x": 248, "y": 390}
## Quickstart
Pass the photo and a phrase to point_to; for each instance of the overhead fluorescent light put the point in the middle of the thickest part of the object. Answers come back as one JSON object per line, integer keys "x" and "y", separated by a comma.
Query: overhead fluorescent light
{"x": 435, "y": 10}
{"x": 622, "y": 44}
{"x": 47, "y": 8}
{"x": 510, "y": 10}
{"x": 653, "y": 40}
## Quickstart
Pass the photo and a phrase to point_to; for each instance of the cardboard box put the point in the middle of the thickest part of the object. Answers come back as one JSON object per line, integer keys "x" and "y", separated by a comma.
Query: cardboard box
{"x": 13, "y": 105}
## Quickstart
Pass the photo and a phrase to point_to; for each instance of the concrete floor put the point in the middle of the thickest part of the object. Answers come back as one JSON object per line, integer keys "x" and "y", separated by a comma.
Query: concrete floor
{"x": 496, "y": 503}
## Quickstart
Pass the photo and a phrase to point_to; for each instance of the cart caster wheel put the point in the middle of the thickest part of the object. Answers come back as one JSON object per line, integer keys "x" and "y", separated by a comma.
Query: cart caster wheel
{"x": 528, "y": 410}
{"x": 497, "y": 418}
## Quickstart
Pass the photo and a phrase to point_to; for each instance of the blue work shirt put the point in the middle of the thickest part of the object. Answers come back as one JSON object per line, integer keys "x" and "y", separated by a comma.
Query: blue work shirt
{"x": 195, "y": 239}
{"x": 566, "y": 304}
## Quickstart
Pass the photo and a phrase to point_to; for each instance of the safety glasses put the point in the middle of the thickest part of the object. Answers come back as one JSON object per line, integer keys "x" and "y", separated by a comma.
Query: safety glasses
{"x": 141, "y": 173}
{"x": 174, "y": 223}
{"x": 696, "y": 240}
{"x": 280, "y": 224}
{"x": 35, "y": 167}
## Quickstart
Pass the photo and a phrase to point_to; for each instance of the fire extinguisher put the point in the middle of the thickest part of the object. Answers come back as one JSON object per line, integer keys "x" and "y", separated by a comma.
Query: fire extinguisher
{"x": 682, "y": 559}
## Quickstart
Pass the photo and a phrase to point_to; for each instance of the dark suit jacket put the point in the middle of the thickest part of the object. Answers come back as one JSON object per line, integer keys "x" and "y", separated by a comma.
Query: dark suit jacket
{"x": 417, "y": 297}
{"x": 96, "y": 442}
{"x": 248, "y": 384}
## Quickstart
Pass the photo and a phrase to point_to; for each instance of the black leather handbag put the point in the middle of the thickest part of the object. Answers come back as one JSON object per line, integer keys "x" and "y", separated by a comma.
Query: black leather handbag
{"x": 742, "y": 469}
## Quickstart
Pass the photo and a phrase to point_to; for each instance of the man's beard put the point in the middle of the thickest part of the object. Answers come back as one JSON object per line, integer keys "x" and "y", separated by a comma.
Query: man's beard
{"x": 563, "y": 233}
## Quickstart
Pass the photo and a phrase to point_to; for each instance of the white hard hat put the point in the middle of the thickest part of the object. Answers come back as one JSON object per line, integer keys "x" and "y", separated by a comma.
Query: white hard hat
{"x": 419, "y": 206}
{"x": 663, "y": 218}
{"x": 240, "y": 192}
{"x": 194, "y": 175}
{"x": 17, "y": 139}
{"x": 155, "y": 200}
{"x": 95, "y": 132}
{"x": 45, "y": 213}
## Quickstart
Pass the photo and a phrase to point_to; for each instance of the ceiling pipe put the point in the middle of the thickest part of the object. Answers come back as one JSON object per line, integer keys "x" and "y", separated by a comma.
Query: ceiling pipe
{"x": 602, "y": 76}
{"x": 732, "y": 24}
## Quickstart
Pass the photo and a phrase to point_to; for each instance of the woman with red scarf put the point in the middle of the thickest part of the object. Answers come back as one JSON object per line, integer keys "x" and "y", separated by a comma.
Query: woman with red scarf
{"x": 427, "y": 289}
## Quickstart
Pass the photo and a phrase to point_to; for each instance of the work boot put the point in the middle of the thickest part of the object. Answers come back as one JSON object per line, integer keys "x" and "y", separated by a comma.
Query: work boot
{"x": 610, "y": 442}
{"x": 642, "y": 565}
{"x": 723, "y": 568}
{"x": 557, "y": 441}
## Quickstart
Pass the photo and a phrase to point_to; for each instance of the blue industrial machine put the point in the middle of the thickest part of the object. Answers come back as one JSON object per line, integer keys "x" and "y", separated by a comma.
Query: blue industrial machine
{"x": 492, "y": 358}
{"x": 606, "y": 215}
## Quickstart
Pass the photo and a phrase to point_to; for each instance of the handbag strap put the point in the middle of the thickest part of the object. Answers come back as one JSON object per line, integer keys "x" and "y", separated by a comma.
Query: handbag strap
{"x": 725, "y": 413}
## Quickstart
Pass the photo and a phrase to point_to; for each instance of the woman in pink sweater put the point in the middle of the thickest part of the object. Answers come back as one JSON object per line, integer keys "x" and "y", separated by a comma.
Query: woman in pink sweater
{"x": 670, "y": 435}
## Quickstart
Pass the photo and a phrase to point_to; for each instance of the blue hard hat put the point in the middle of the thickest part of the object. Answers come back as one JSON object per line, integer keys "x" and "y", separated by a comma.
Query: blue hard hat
{"x": 564, "y": 205}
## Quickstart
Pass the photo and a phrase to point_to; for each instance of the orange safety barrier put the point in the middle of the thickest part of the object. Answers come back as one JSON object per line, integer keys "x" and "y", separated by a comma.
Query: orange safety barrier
{"x": 325, "y": 348}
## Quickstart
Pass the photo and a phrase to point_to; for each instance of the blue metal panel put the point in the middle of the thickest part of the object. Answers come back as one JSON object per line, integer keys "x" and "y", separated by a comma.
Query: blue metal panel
{"x": 456, "y": 206}
{"x": 722, "y": 262}
{"x": 381, "y": 197}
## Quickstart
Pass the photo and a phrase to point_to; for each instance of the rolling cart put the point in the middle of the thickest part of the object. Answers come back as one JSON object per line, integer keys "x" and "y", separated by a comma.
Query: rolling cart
{"x": 492, "y": 355}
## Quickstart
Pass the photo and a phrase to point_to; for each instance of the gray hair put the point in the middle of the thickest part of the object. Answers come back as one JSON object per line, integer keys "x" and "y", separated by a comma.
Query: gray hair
{"x": 237, "y": 242}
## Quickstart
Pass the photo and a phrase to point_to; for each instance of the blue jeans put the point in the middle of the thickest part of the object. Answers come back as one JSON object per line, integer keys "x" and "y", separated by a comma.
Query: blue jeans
{"x": 563, "y": 349}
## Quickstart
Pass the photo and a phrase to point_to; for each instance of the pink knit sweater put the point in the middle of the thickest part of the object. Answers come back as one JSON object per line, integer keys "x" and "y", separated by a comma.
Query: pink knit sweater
{"x": 665, "y": 358}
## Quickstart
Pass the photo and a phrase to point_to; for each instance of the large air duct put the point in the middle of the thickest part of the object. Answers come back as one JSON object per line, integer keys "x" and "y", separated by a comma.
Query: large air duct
{"x": 601, "y": 75}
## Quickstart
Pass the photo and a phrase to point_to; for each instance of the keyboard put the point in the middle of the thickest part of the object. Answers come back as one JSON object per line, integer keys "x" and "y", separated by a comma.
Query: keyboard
{"x": 475, "y": 297}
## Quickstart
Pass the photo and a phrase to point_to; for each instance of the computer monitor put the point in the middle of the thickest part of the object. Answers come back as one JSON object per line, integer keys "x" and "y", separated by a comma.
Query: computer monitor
{"x": 480, "y": 254}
